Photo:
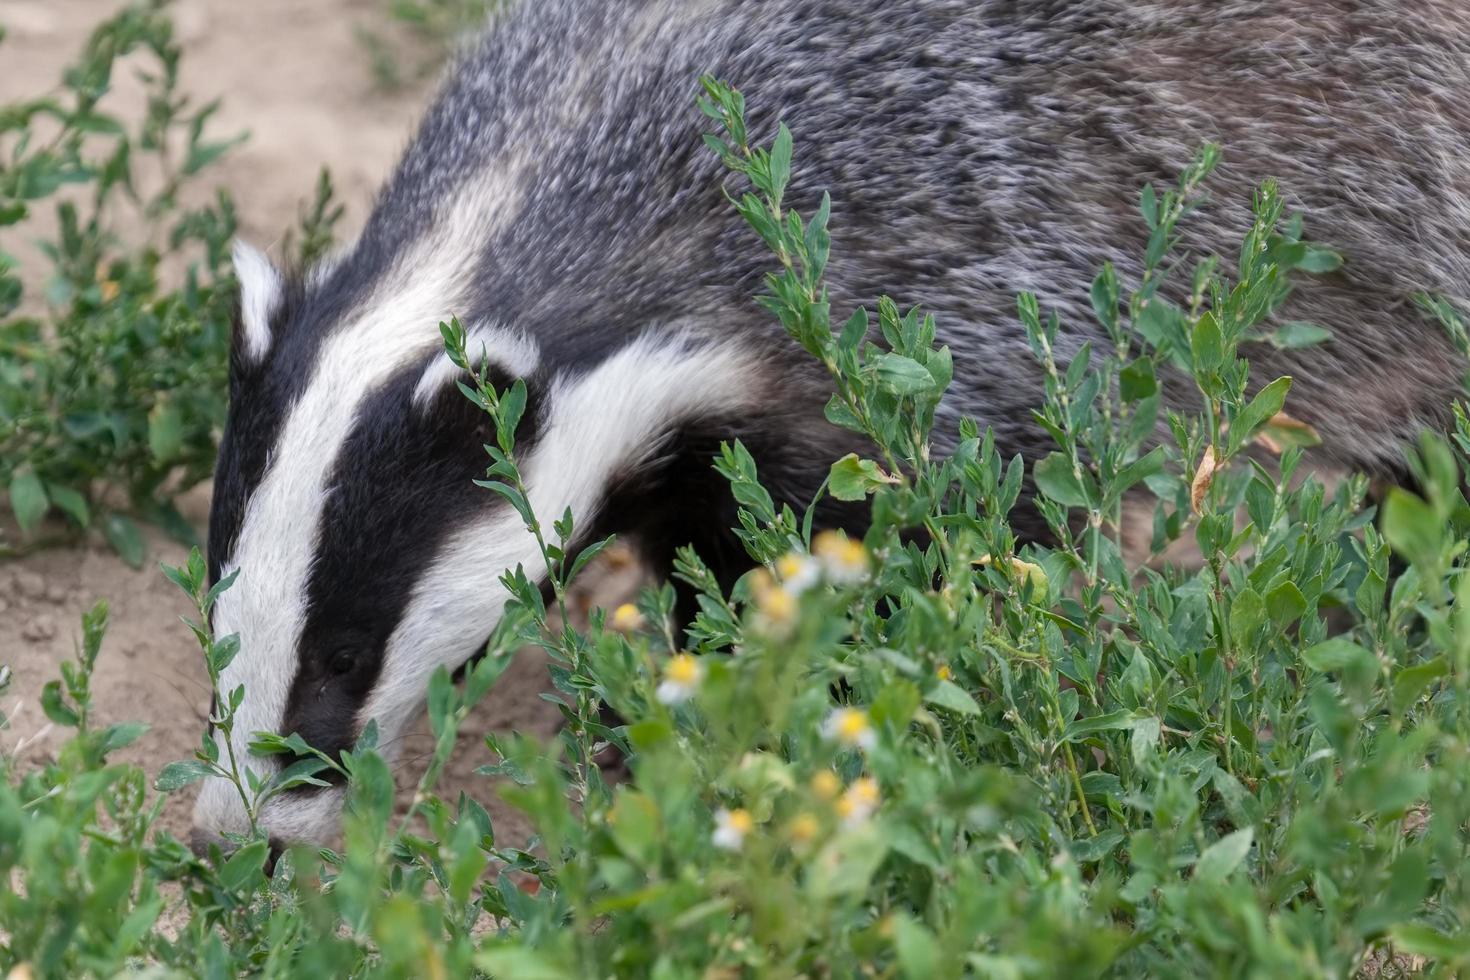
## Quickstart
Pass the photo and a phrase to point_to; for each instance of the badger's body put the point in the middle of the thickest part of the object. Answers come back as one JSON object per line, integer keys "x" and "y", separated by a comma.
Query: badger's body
{"x": 559, "y": 201}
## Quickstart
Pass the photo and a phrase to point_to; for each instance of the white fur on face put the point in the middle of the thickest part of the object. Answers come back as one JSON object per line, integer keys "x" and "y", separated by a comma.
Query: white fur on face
{"x": 397, "y": 325}
{"x": 260, "y": 295}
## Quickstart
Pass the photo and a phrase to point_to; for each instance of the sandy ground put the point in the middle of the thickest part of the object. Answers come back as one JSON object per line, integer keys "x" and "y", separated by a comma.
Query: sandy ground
{"x": 294, "y": 75}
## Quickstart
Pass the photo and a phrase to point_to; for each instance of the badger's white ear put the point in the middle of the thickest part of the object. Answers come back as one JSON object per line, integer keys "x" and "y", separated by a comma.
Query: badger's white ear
{"x": 260, "y": 296}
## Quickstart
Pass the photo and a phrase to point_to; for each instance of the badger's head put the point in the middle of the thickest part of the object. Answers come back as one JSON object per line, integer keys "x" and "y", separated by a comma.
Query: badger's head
{"x": 344, "y": 498}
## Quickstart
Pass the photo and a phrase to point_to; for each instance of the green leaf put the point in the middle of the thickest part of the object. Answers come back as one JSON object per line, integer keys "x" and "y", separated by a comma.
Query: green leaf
{"x": 852, "y": 478}
{"x": 1412, "y": 682}
{"x": 1140, "y": 469}
{"x": 1262, "y": 408}
{"x": 1148, "y": 206}
{"x": 1297, "y": 334}
{"x": 246, "y": 867}
{"x": 70, "y": 502}
{"x": 177, "y": 775}
{"x": 122, "y": 734}
{"x": 647, "y": 734}
{"x": 1137, "y": 380}
{"x": 1207, "y": 345}
{"x": 222, "y": 652}
{"x": 1224, "y": 856}
{"x": 28, "y": 498}
{"x": 512, "y": 409}
{"x": 854, "y": 330}
{"x": 165, "y": 431}
{"x": 1411, "y": 527}
{"x": 218, "y": 589}
{"x": 1285, "y": 604}
{"x": 54, "y": 705}
{"x": 202, "y": 155}
{"x": 1054, "y": 478}
{"x": 635, "y": 825}
{"x": 125, "y": 537}
{"x": 780, "y": 162}
{"x": 1109, "y": 721}
{"x": 903, "y": 375}
{"x": 947, "y": 694}
{"x": 916, "y": 946}
{"x": 302, "y": 772}
{"x": 1247, "y": 613}
{"x": 1145, "y": 738}
{"x": 1319, "y": 260}
{"x": 516, "y": 962}
{"x": 847, "y": 863}
{"x": 1339, "y": 654}
{"x": 1104, "y": 297}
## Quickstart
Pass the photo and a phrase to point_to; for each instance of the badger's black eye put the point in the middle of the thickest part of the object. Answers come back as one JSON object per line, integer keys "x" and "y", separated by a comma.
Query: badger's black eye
{"x": 342, "y": 662}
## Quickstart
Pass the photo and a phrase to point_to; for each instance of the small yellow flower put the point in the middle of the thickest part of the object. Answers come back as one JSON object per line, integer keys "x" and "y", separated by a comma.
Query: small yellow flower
{"x": 731, "y": 828}
{"x": 826, "y": 785}
{"x": 682, "y": 675}
{"x": 944, "y": 672}
{"x": 109, "y": 290}
{"x": 804, "y": 828}
{"x": 844, "y": 560}
{"x": 859, "y": 802}
{"x": 797, "y": 572}
{"x": 626, "y": 618}
{"x": 850, "y": 726}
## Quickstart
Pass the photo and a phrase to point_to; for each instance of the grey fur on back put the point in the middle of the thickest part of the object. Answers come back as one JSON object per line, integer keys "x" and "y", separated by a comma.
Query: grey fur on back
{"x": 975, "y": 149}
{"x": 558, "y": 199}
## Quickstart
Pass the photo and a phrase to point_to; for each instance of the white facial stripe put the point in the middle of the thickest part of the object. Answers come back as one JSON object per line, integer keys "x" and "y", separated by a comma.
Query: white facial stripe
{"x": 514, "y": 351}
{"x": 397, "y": 325}
{"x": 599, "y": 424}
{"x": 260, "y": 294}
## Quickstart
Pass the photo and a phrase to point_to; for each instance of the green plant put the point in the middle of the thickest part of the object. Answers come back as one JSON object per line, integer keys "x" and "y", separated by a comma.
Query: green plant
{"x": 118, "y": 381}
{"x": 112, "y": 379}
{"x": 1042, "y": 761}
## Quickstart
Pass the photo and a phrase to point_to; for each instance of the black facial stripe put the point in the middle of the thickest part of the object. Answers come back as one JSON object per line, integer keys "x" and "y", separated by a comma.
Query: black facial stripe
{"x": 261, "y": 394}
{"x": 401, "y": 484}
{"x": 682, "y": 500}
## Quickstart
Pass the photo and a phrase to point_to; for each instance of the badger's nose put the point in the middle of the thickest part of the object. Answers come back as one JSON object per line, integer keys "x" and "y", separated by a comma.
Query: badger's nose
{"x": 201, "y": 839}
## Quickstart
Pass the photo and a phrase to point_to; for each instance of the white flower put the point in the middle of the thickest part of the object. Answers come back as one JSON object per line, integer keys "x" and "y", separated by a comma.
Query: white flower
{"x": 797, "y": 572}
{"x": 844, "y": 560}
{"x": 859, "y": 802}
{"x": 682, "y": 675}
{"x": 850, "y": 726}
{"x": 731, "y": 826}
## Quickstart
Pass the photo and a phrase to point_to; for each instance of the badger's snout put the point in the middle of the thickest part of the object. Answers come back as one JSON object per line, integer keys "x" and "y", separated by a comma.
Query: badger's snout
{"x": 307, "y": 817}
{"x": 201, "y": 841}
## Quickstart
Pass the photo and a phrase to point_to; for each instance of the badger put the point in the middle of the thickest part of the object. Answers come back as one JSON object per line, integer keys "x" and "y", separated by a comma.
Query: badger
{"x": 558, "y": 200}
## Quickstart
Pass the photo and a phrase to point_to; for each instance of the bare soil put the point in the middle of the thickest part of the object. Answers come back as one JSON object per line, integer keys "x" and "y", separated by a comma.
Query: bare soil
{"x": 297, "y": 78}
